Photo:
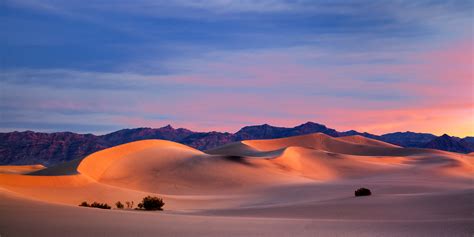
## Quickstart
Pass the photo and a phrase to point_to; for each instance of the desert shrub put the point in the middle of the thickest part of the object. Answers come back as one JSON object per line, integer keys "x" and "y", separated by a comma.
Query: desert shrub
{"x": 119, "y": 205}
{"x": 362, "y": 192}
{"x": 100, "y": 205}
{"x": 95, "y": 205}
{"x": 151, "y": 203}
{"x": 129, "y": 204}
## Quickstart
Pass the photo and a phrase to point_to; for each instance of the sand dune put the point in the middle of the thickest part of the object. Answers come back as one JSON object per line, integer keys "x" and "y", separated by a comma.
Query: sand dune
{"x": 357, "y": 139}
{"x": 241, "y": 149}
{"x": 20, "y": 169}
{"x": 319, "y": 141}
{"x": 350, "y": 145}
{"x": 309, "y": 177}
{"x": 98, "y": 163}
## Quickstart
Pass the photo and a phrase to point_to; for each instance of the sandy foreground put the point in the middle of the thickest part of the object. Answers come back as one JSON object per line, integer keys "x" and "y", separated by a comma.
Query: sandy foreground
{"x": 298, "y": 186}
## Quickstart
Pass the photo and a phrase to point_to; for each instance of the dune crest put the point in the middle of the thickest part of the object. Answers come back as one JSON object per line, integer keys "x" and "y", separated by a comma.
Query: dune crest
{"x": 319, "y": 141}
{"x": 96, "y": 164}
{"x": 358, "y": 139}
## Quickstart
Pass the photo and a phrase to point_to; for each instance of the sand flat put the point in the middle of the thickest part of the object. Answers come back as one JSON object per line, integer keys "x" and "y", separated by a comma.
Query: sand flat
{"x": 46, "y": 219}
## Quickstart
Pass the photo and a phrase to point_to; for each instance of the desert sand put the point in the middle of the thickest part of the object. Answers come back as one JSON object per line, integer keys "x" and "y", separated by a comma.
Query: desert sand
{"x": 20, "y": 169}
{"x": 297, "y": 186}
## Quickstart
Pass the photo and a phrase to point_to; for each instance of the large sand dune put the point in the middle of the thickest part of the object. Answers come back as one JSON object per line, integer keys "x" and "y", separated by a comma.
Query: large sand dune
{"x": 260, "y": 184}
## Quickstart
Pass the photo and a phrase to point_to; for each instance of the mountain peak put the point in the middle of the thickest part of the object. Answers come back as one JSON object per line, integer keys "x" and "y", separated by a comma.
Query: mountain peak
{"x": 448, "y": 143}
{"x": 445, "y": 136}
{"x": 168, "y": 127}
{"x": 311, "y": 124}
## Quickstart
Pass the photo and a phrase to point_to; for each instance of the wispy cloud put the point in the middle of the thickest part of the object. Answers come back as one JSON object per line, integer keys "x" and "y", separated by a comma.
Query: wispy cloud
{"x": 224, "y": 91}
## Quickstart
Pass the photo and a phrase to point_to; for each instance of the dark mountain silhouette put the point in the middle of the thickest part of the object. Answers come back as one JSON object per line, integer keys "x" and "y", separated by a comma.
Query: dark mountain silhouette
{"x": 353, "y": 132}
{"x": 130, "y": 135}
{"x": 52, "y": 148}
{"x": 408, "y": 139}
{"x": 266, "y": 131}
{"x": 447, "y": 143}
{"x": 207, "y": 140}
{"x": 404, "y": 139}
{"x": 469, "y": 139}
{"x": 46, "y": 148}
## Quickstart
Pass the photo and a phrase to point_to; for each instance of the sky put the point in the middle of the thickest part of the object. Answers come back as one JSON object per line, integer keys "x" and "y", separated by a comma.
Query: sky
{"x": 373, "y": 66}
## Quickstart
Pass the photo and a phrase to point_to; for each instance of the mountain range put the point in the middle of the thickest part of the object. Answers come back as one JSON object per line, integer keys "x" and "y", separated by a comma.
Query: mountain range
{"x": 52, "y": 148}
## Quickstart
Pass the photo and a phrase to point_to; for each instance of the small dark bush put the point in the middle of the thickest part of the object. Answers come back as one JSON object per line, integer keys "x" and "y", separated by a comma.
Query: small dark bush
{"x": 119, "y": 205}
{"x": 95, "y": 205}
{"x": 100, "y": 205}
{"x": 362, "y": 192}
{"x": 151, "y": 203}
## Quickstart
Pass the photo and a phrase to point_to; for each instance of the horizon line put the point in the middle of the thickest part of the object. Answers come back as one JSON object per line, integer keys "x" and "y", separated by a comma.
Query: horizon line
{"x": 50, "y": 131}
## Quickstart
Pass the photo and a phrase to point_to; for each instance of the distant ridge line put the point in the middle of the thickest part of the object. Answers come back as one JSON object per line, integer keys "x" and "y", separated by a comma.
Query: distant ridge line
{"x": 51, "y": 148}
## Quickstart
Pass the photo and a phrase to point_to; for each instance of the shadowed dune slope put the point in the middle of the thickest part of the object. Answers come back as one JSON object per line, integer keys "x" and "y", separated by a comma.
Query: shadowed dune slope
{"x": 241, "y": 149}
{"x": 66, "y": 168}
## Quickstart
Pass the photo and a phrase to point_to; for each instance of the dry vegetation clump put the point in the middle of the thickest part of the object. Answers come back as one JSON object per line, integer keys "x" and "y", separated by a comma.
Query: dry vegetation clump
{"x": 362, "y": 192}
{"x": 95, "y": 205}
{"x": 150, "y": 203}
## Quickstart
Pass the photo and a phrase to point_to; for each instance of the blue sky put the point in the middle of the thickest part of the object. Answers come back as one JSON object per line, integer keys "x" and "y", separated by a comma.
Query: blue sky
{"x": 98, "y": 66}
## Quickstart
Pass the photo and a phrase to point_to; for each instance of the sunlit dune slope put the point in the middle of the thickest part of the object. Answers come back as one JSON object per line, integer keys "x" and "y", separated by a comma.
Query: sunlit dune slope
{"x": 68, "y": 189}
{"x": 19, "y": 169}
{"x": 357, "y": 139}
{"x": 353, "y": 145}
{"x": 323, "y": 166}
{"x": 27, "y": 181}
{"x": 96, "y": 164}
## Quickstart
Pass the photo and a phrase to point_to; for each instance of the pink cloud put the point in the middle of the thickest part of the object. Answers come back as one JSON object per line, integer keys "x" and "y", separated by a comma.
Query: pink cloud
{"x": 287, "y": 88}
